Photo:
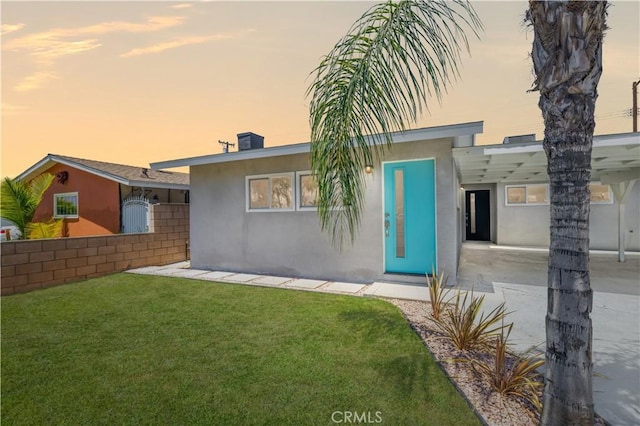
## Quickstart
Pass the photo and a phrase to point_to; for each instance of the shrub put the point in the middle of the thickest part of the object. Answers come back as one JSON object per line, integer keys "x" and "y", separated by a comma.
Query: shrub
{"x": 511, "y": 377}
{"x": 438, "y": 295}
{"x": 459, "y": 322}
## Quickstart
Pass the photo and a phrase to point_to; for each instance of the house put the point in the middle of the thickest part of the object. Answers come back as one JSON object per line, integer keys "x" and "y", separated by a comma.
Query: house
{"x": 253, "y": 210}
{"x": 89, "y": 195}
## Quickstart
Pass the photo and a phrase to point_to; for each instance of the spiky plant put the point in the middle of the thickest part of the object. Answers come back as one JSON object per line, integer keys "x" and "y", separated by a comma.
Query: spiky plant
{"x": 466, "y": 327}
{"x": 517, "y": 378}
{"x": 439, "y": 295}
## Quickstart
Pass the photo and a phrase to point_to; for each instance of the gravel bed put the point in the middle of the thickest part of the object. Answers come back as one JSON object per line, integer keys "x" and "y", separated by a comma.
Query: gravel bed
{"x": 493, "y": 408}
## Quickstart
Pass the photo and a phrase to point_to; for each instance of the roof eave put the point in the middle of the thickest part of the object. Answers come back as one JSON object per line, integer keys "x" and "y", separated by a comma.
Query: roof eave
{"x": 36, "y": 169}
{"x": 436, "y": 132}
{"x": 47, "y": 162}
{"x": 158, "y": 185}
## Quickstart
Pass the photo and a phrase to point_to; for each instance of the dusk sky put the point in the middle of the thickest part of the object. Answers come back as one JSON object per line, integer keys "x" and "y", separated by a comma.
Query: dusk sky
{"x": 140, "y": 82}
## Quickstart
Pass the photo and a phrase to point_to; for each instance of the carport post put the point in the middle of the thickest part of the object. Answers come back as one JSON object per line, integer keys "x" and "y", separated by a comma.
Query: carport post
{"x": 620, "y": 230}
{"x": 621, "y": 191}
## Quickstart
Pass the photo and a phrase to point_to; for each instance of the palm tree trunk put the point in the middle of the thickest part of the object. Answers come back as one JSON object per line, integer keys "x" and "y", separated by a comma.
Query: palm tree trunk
{"x": 568, "y": 392}
{"x": 567, "y": 57}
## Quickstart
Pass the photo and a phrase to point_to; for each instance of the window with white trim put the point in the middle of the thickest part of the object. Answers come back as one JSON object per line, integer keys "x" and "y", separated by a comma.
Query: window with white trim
{"x": 65, "y": 205}
{"x": 272, "y": 192}
{"x": 306, "y": 191}
{"x": 524, "y": 195}
{"x": 600, "y": 193}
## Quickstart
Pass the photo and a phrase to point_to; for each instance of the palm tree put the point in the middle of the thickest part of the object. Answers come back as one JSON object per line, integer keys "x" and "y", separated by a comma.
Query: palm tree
{"x": 374, "y": 81}
{"x": 567, "y": 59}
{"x": 19, "y": 201}
{"x": 377, "y": 78}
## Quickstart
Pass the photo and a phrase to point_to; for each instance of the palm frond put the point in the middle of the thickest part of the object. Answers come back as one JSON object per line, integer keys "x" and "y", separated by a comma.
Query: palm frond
{"x": 50, "y": 229}
{"x": 374, "y": 81}
{"x": 20, "y": 199}
{"x": 15, "y": 199}
{"x": 39, "y": 185}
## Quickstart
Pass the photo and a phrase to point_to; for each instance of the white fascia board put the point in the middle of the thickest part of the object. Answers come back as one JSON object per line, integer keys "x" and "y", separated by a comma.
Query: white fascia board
{"x": 157, "y": 185}
{"x": 600, "y": 141}
{"x": 302, "y": 148}
{"x": 36, "y": 169}
{"x": 439, "y": 132}
{"x": 513, "y": 149}
{"x": 249, "y": 154}
{"x": 616, "y": 140}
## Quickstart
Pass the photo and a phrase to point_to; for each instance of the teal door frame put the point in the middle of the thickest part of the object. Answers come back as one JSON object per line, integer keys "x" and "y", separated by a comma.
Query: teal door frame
{"x": 421, "y": 239}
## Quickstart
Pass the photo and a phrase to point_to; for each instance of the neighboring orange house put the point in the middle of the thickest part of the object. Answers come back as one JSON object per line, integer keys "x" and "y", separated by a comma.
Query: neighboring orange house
{"x": 88, "y": 194}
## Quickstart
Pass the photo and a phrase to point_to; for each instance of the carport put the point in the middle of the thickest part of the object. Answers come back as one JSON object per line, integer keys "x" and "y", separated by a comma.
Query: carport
{"x": 615, "y": 162}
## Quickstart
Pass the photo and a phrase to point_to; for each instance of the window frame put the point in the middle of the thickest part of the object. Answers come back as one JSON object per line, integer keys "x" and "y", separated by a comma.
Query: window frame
{"x": 526, "y": 203}
{"x": 299, "y": 206}
{"x": 269, "y": 177}
{"x": 66, "y": 216}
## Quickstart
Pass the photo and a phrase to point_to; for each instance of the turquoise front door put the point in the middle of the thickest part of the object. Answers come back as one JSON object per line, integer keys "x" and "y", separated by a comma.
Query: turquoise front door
{"x": 410, "y": 217}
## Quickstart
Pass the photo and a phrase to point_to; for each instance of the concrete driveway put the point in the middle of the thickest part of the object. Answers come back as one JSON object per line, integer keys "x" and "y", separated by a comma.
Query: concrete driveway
{"x": 519, "y": 278}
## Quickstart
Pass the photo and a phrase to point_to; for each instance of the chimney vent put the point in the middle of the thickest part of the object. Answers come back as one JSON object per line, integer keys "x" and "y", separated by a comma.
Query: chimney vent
{"x": 519, "y": 139}
{"x": 249, "y": 140}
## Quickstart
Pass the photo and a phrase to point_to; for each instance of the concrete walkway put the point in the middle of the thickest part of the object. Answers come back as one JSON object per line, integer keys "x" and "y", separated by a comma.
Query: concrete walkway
{"x": 380, "y": 289}
{"x": 183, "y": 270}
{"x": 517, "y": 278}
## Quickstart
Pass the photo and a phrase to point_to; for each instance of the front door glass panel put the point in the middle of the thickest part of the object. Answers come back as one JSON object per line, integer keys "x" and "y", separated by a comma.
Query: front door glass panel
{"x": 399, "y": 201}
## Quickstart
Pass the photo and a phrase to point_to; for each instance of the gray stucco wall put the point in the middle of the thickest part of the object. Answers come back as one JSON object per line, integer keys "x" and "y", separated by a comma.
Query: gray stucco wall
{"x": 224, "y": 236}
{"x": 529, "y": 225}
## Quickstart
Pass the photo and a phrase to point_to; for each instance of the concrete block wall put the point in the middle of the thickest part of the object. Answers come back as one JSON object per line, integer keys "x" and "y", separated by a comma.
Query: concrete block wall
{"x": 33, "y": 264}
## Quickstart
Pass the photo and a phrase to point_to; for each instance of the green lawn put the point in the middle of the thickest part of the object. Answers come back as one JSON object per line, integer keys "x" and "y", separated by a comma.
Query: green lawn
{"x": 132, "y": 349}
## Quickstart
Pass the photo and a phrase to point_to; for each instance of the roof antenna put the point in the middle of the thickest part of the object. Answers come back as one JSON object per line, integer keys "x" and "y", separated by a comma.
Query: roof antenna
{"x": 225, "y": 145}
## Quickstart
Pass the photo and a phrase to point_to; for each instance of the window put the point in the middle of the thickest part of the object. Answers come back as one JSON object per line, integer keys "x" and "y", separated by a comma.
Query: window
{"x": 65, "y": 205}
{"x": 517, "y": 195}
{"x": 270, "y": 192}
{"x": 539, "y": 194}
{"x": 600, "y": 194}
{"x": 527, "y": 195}
{"x": 306, "y": 191}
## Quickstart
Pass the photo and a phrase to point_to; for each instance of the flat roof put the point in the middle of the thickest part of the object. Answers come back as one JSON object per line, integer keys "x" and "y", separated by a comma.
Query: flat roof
{"x": 527, "y": 162}
{"x": 454, "y": 130}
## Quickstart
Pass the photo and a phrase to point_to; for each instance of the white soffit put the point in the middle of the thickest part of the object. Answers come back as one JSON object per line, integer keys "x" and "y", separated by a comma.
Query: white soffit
{"x": 521, "y": 163}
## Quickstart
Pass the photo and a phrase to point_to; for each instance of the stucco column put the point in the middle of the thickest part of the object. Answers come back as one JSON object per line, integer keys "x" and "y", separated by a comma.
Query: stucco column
{"x": 621, "y": 191}
{"x": 621, "y": 223}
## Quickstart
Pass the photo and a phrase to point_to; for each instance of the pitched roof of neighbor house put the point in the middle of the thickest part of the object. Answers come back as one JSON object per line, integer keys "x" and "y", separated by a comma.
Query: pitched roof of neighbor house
{"x": 463, "y": 133}
{"x": 121, "y": 173}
